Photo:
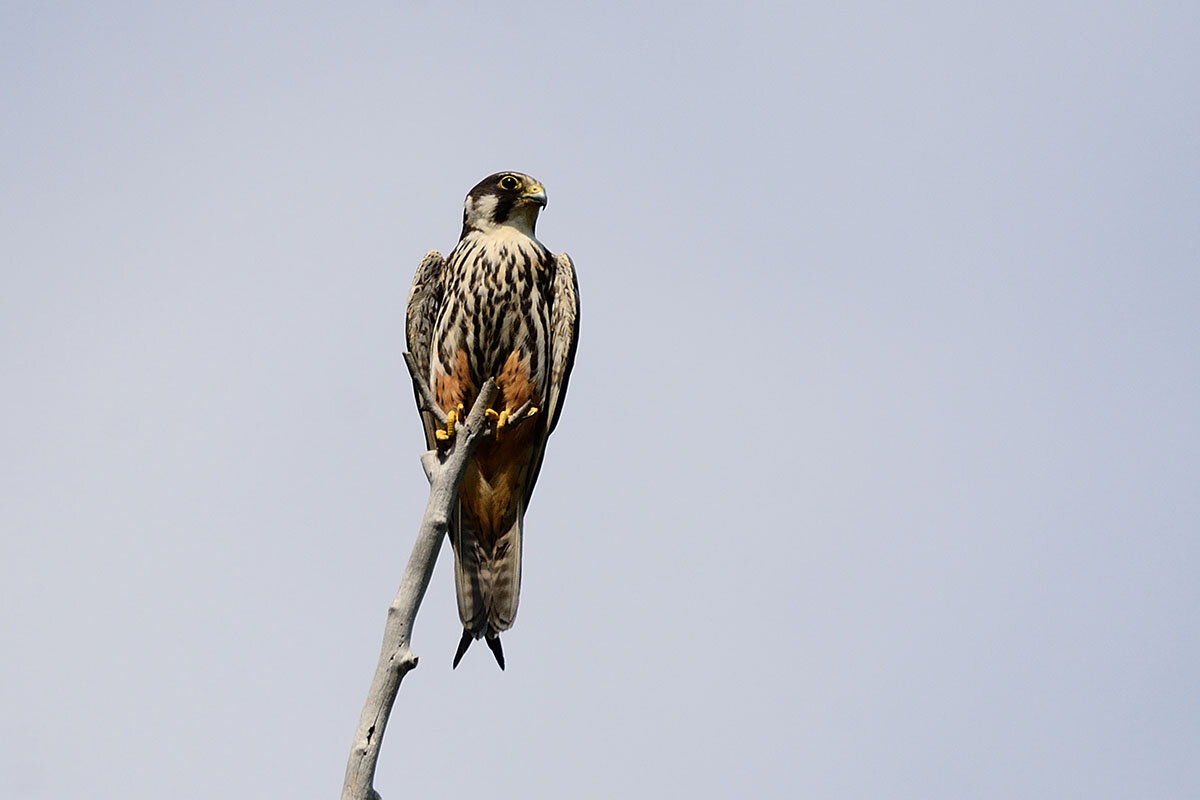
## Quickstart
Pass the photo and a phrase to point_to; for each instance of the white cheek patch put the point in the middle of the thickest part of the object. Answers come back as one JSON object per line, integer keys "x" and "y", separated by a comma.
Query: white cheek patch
{"x": 481, "y": 209}
{"x": 481, "y": 212}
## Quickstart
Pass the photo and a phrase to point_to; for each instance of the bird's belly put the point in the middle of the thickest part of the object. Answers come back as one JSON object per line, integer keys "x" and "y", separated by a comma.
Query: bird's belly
{"x": 494, "y": 338}
{"x": 514, "y": 350}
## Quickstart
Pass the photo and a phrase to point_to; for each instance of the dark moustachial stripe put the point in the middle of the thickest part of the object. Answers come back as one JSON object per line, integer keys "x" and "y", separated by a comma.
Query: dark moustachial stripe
{"x": 504, "y": 204}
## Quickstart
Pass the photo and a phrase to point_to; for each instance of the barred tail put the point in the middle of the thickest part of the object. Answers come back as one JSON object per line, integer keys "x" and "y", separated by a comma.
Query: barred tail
{"x": 488, "y": 583}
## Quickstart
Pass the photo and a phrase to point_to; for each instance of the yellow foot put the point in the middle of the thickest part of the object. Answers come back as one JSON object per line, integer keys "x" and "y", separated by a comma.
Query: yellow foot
{"x": 452, "y": 418}
{"x": 501, "y": 419}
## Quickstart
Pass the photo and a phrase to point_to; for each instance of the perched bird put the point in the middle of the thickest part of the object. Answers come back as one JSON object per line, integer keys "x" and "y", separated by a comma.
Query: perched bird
{"x": 499, "y": 306}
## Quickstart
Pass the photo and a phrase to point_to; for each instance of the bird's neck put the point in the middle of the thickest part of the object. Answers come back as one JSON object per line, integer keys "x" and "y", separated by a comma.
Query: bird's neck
{"x": 522, "y": 219}
{"x": 510, "y": 231}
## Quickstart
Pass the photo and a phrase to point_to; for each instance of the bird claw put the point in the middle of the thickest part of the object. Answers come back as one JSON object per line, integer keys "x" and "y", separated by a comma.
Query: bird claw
{"x": 500, "y": 418}
{"x": 452, "y": 418}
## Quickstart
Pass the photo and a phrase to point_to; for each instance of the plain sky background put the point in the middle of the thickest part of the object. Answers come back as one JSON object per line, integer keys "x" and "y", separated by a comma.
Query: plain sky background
{"x": 879, "y": 475}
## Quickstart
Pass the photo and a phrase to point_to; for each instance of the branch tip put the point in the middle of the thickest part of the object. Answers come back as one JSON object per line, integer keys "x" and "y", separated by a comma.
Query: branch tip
{"x": 421, "y": 384}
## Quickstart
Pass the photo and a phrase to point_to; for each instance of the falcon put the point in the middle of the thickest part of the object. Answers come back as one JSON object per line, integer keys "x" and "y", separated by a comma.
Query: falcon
{"x": 499, "y": 306}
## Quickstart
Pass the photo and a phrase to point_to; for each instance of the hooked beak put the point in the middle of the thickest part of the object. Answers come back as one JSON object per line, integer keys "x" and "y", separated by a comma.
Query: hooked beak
{"x": 536, "y": 194}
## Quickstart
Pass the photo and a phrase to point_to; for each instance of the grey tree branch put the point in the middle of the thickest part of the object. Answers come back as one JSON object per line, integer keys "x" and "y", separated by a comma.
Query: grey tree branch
{"x": 421, "y": 383}
{"x": 445, "y": 471}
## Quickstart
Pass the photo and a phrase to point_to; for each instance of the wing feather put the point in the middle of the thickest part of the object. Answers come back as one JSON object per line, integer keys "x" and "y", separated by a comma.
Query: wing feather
{"x": 424, "y": 300}
{"x": 564, "y": 338}
{"x": 564, "y": 333}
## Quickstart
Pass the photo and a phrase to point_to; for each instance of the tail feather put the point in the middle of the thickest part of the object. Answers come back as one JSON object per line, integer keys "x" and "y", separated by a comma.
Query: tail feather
{"x": 488, "y": 583}
{"x": 502, "y": 576}
{"x": 493, "y": 642}
{"x": 463, "y": 644}
{"x": 469, "y": 558}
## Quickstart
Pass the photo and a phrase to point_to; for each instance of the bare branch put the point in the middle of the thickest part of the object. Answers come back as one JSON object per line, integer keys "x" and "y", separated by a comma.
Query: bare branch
{"x": 421, "y": 383}
{"x": 445, "y": 471}
{"x": 521, "y": 414}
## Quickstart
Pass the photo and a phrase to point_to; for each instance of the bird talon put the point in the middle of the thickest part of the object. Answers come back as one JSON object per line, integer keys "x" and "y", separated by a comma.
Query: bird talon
{"x": 500, "y": 418}
{"x": 452, "y": 417}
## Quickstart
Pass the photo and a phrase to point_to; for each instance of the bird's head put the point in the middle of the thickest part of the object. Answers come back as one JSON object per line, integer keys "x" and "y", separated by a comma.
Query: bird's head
{"x": 506, "y": 198}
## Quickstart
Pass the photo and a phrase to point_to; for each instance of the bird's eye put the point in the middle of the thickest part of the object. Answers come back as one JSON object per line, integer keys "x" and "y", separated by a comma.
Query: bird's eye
{"x": 509, "y": 182}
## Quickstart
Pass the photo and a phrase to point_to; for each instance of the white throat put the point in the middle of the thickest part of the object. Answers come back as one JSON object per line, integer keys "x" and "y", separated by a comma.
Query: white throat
{"x": 522, "y": 218}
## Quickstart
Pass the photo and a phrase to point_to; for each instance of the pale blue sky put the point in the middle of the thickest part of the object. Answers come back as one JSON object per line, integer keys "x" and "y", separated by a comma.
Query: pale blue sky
{"x": 878, "y": 473}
